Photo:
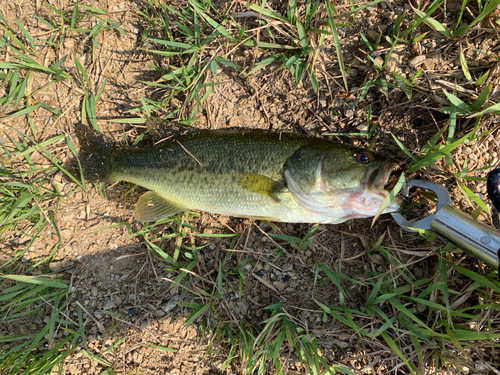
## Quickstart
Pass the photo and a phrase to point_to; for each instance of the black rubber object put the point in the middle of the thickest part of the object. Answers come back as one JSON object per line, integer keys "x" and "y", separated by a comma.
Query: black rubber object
{"x": 492, "y": 187}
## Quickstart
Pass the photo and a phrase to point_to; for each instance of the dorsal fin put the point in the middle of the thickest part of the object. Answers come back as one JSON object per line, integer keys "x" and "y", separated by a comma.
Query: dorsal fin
{"x": 161, "y": 129}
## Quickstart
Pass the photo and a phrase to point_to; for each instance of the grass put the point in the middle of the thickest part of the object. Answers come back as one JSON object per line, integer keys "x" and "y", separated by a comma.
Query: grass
{"x": 401, "y": 321}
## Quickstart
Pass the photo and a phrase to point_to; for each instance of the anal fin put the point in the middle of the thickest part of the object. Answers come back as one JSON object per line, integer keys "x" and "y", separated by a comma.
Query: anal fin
{"x": 261, "y": 184}
{"x": 152, "y": 207}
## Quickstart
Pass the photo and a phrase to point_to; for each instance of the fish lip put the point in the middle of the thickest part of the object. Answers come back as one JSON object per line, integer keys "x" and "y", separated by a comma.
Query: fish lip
{"x": 376, "y": 177}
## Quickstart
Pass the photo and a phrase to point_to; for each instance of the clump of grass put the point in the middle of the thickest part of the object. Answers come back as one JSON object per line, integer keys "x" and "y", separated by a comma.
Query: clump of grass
{"x": 393, "y": 310}
{"x": 24, "y": 196}
{"x": 192, "y": 70}
{"x": 66, "y": 25}
{"x": 25, "y": 298}
{"x": 29, "y": 199}
{"x": 197, "y": 41}
{"x": 28, "y": 206}
{"x": 280, "y": 336}
{"x": 18, "y": 74}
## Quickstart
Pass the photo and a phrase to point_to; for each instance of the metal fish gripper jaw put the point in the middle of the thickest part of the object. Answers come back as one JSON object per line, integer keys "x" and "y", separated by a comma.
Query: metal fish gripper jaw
{"x": 474, "y": 238}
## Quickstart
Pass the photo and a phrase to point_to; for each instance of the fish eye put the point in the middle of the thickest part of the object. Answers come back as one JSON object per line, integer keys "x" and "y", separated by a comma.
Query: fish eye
{"x": 363, "y": 157}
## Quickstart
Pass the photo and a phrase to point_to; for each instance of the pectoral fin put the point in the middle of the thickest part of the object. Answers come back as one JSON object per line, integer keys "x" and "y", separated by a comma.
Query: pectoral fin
{"x": 261, "y": 184}
{"x": 152, "y": 207}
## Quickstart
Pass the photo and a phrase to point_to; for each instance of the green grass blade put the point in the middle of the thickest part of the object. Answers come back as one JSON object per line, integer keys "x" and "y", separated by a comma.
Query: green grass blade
{"x": 433, "y": 23}
{"x": 438, "y": 154}
{"x": 331, "y": 20}
{"x": 39, "y": 280}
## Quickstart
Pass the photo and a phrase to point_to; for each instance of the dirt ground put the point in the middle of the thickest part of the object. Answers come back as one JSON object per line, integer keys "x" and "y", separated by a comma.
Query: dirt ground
{"x": 127, "y": 292}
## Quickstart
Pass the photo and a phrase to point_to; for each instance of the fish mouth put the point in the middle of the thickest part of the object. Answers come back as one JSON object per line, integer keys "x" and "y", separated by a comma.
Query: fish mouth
{"x": 375, "y": 180}
{"x": 376, "y": 177}
{"x": 343, "y": 204}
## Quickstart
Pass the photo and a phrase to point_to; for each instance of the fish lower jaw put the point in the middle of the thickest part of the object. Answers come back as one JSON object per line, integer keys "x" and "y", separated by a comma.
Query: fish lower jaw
{"x": 368, "y": 203}
{"x": 344, "y": 206}
{"x": 356, "y": 205}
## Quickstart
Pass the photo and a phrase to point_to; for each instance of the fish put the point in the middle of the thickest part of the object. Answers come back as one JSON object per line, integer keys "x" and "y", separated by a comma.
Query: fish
{"x": 279, "y": 177}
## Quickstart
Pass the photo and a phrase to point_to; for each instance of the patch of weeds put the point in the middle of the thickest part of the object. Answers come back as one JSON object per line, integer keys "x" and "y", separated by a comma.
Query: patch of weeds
{"x": 183, "y": 257}
{"x": 23, "y": 211}
{"x": 90, "y": 99}
{"x": 17, "y": 75}
{"x": 479, "y": 107}
{"x": 405, "y": 31}
{"x": 414, "y": 317}
{"x": 194, "y": 43}
{"x": 27, "y": 195}
{"x": 39, "y": 298}
{"x": 297, "y": 243}
{"x": 264, "y": 351}
{"x": 190, "y": 42}
{"x": 44, "y": 300}
{"x": 437, "y": 147}
{"x": 29, "y": 199}
{"x": 294, "y": 39}
{"x": 71, "y": 24}
{"x": 425, "y": 15}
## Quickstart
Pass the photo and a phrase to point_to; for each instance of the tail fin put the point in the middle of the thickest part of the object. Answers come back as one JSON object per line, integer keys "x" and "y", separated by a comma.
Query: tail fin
{"x": 95, "y": 153}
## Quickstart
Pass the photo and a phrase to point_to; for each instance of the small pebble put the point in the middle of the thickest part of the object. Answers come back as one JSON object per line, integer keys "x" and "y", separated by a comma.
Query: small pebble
{"x": 372, "y": 35}
{"x": 378, "y": 259}
{"x": 390, "y": 29}
{"x": 243, "y": 306}
{"x": 172, "y": 303}
{"x": 417, "y": 122}
{"x": 24, "y": 329}
{"x": 279, "y": 285}
{"x": 108, "y": 305}
{"x": 417, "y": 60}
{"x": 480, "y": 367}
{"x": 131, "y": 311}
{"x": 430, "y": 63}
{"x": 260, "y": 273}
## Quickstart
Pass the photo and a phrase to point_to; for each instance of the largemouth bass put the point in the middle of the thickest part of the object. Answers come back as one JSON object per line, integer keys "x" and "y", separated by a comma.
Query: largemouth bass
{"x": 245, "y": 173}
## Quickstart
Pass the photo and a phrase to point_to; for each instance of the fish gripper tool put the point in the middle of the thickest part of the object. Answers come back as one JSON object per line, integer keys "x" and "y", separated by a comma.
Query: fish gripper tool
{"x": 476, "y": 239}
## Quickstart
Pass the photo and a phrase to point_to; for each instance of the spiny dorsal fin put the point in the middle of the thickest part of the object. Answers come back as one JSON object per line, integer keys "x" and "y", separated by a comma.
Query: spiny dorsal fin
{"x": 163, "y": 129}
{"x": 261, "y": 184}
{"x": 152, "y": 207}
